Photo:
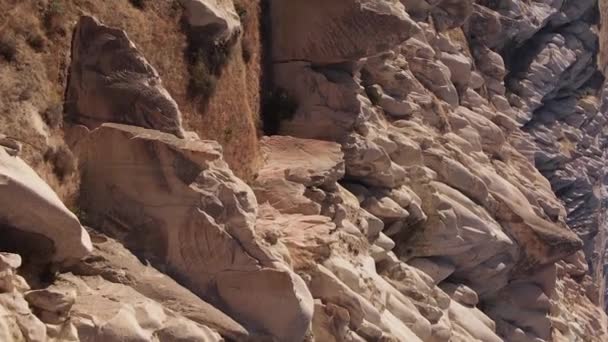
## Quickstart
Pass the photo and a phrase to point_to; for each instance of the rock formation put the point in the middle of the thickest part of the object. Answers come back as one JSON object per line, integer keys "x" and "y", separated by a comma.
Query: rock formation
{"x": 436, "y": 175}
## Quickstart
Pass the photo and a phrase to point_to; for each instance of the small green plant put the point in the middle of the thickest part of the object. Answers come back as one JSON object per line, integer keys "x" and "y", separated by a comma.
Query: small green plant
{"x": 53, "y": 17}
{"x": 202, "y": 81}
{"x": 8, "y": 48}
{"x": 80, "y": 213}
{"x": 373, "y": 94}
{"x": 62, "y": 160}
{"x": 228, "y": 133}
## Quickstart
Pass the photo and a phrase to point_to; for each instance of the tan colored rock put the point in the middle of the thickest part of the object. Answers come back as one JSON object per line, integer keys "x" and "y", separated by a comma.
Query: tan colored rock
{"x": 303, "y": 161}
{"x": 111, "y": 81}
{"x": 114, "y": 263}
{"x": 196, "y": 218}
{"x": 54, "y": 230}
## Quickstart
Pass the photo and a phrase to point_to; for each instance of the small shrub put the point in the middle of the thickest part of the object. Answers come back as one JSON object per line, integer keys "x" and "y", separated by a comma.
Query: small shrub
{"x": 281, "y": 104}
{"x": 36, "y": 41}
{"x": 53, "y": 116}
{"x": 80, "y": 213}
{"x": 217, "y": 56}
{"x": 247, "y": 51}
{"x": 228, "y": 133}
{"x": 141, "y": 4}
{"x": 8, "y": 48}
{"x": 53, "y": 17}
{"x": 374, "y": 94}
{"x": 278, "y": 105}
{"x": 202, "y": 81}
{"x": 241, "y": 10}
{"x": 62, "y": 160}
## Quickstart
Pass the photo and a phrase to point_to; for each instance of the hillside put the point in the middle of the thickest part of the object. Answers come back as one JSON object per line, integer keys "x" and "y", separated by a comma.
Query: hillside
{"x": 303, "y": 170}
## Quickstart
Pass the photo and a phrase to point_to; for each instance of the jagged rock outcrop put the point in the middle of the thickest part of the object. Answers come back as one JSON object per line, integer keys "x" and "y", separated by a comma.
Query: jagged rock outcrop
{"x": 110, "y": 81}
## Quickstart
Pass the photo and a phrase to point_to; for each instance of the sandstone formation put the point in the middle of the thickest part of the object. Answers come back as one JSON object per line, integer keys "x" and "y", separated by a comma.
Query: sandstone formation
{"x": 438, "y": 176}
{"x": 110, "y": 81}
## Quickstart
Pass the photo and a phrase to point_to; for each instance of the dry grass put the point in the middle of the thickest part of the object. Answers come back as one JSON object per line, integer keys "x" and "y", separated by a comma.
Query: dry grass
{"x": 231, "y": 115}
{"x": 35, "y": 79}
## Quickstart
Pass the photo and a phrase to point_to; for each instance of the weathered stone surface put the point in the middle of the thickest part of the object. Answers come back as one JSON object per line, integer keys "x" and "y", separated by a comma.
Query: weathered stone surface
{"x": 111, "y": 81}
{"x": 54, "y": 230}
{"x": 197, "y": 219}
{"x": 215, "y": 18}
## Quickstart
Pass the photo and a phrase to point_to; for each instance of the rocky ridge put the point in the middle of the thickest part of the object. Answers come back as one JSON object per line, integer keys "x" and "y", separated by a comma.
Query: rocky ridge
{"x": 440, "y": 180}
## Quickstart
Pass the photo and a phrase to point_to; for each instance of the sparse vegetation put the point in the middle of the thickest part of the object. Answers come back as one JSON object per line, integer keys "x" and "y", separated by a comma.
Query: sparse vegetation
{"x": 278, "y": 105}
{"x": 246, "y": 50}
{"x": 373, "y": 94}
{"x": 202, "y": 81}
{"x": 80, "y": 213}
{"x": 8, "y": 48}
{"x": 280, "y": 102}
{"x": 207, "y": 59}
{"x": 62, "y": 160}
{"x": 53, "y": 116}
{"x": 36, "y": 41}
{"x": 53, "y": 17}
{"x": 241, "y": 11}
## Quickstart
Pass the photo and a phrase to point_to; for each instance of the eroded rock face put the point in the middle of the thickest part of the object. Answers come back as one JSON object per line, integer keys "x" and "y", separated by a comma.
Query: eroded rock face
{"x": 431, "y": 130}
{"x": 111, "y": 81}
{"x": 197, "y": 219}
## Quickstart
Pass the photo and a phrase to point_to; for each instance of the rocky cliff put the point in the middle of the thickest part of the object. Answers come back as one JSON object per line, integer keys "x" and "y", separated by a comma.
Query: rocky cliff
{"x": 304, "y": 170}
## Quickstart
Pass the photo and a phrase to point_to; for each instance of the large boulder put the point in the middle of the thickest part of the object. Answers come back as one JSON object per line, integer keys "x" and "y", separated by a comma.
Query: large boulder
{"x": 196, "y": 219}
{"x": 31, "y": 211}
{"x": 111, "y": 81}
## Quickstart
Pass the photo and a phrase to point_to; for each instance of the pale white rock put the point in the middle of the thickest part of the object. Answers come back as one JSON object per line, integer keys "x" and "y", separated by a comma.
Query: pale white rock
{"x": 55, "y": 228}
